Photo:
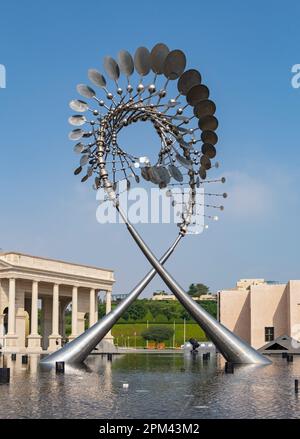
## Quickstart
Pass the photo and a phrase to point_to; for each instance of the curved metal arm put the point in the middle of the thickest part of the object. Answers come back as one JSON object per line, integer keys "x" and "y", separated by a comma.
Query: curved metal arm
{"x": 78, "y": 349}
{"x": 232, "y": 347}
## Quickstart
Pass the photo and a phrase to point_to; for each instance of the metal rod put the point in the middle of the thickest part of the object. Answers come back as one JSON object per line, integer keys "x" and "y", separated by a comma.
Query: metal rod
{"x": 232, "y": 347}
{"x": 78, "y": 349}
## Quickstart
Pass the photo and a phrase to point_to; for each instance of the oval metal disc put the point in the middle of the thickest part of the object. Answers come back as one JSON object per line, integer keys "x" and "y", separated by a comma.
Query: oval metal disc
{"x": 175, "y": 173}
{"x": 84, "y": 178}
{"x": 187, "y": 80}
{"x": 162, "y": 185}
{"x": 79, "y": 147}
{"x": 84, "y": 159}
{"x": 78, "y": 170}
{"x": 208, "y": 123}
{"x": 205, "y": 162}
{"x": 209, "y": 150}
{"x": 111, "y": 68}
{"x": 77, "y": 120}
{"x": 145, "y": 173}
{"x": 209, "y": 137}
{"x": 202, "y": 173}
{"x": 197, "y": 94}
{"x": 164, "y": 174}
{"x": 78, "y": 105}
{"x": 154, "y": 175}
{"x": 96, "y": 78}
{"x": 174, "y": 64}
{"x": 76, "y": 134}
{"x": 142, "y": 61}
{"x": 158, "y": 56}
{"x": 188, "y": 164}
{"x": 204, "y": 108}
{"x": 85, "y": 90}
{"x": 126, "y": 63}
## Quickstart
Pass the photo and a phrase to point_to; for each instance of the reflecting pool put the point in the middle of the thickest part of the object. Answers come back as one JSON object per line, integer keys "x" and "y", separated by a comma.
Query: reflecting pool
{"x": 159, "y": 386}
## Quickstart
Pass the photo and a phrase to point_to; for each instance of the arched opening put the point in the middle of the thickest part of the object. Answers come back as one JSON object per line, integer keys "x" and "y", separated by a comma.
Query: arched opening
{"x": 65, "y": 320}
{"x": 86, "y": 320}
{"x": 5, "y": 320}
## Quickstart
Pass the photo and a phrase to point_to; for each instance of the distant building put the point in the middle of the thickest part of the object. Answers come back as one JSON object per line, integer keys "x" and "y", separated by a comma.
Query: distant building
{"x": 162, "y": 295}
{"x": 211, "y": 297}
{"x": 260, "y": 311}
{"x": 118, "y": 297}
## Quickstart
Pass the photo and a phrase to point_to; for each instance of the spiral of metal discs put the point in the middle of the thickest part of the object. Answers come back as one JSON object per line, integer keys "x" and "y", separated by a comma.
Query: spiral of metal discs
{"x": 183, "y": 118}
{"x": 186, "y": 126}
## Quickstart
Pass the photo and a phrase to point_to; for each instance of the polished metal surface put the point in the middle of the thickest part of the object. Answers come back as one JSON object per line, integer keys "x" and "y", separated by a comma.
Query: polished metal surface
{"x": 142, "y": 61}
{"x": 111, "y": 68}
{"x": 188, "y": 80}
{"x": 126, "y": 62}
{"x": 158, "y": 56}
{"x": 197, "y": 94}
{"x": 96, "y": 78}
{"x": 174, "y": 64}
{"x": 85, "y": 91}
{"x": 78, "y": 349}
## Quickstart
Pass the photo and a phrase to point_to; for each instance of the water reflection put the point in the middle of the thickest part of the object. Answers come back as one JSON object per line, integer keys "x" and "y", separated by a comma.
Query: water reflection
{"x": 159, "y": 386}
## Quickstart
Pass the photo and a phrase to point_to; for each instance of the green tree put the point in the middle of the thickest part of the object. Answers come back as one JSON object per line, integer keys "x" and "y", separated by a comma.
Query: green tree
{"x": 210, "y": 307}
{"x": 161, "y": 318}
{"x": 157, "y": 334}
{"x": 198, "y": 290}
{"x": 184, "y": 314}
{"x": 137, "y": 311}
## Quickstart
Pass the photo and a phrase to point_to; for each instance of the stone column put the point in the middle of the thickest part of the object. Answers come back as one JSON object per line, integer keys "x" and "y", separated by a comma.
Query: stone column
{"x": 92, "y": 308}
{"x": 55, "y": 337}
{"x": 2, "y": 330}
{"x": 74, "y": 332}
{"x": 96, "y": 306}
{"x": 12, "y": 307}
{"x": 34, "y": 339}
{"x": 11, "y": 339}
{"x": 108, "y": 336}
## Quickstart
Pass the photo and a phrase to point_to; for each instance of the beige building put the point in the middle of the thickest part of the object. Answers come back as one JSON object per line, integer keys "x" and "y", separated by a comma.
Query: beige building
{"x": 29, "y": 283}
{"x": 260, "y": 311}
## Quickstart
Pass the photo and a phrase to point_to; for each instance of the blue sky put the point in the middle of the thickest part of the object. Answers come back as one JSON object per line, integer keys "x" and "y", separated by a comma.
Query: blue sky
{"x": 244, "y": 50}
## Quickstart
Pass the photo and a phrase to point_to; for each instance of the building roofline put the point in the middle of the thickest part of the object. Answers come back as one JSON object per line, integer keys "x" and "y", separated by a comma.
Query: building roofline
{"x": 54, "y": 260}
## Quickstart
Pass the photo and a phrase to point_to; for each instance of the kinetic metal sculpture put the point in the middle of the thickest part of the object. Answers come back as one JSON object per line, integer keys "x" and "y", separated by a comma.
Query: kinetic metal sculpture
{"x": 178, "y": 160}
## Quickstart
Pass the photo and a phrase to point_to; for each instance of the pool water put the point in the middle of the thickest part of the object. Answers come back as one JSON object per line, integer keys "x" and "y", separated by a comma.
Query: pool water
{"x": 156, "y": 386}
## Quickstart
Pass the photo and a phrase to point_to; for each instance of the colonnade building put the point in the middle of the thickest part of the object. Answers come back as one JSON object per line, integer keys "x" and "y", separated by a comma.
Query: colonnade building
{"x": 34, "y": 295}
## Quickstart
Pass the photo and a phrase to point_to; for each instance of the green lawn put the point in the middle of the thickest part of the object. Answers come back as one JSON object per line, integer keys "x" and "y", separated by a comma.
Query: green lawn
{"x": 122, "y": 331}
